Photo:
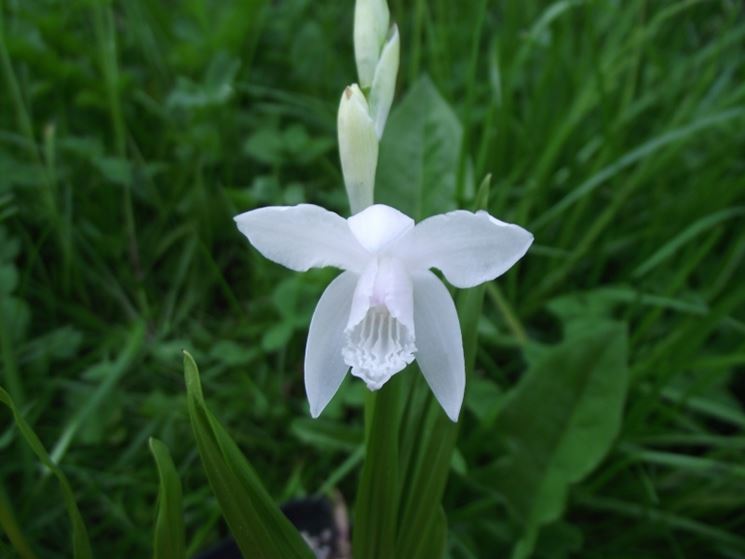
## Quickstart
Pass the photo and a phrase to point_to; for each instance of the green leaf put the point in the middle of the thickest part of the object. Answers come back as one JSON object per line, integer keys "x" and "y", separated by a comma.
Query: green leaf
{"x": 484, "y": 398}
{"x": 425, "y": 482}
{"x": 642, "y": 152}
{"x": 432, "y": 436}
{"x": 168, "y": 542}
{"x": 326, "y": 435}
{"x": 376, "y": 509}
{"x": 216, "y": 87}
{"x": 436, "y": 539}
{"x": 559, "y": 423}
{"x": 691, "y": 233}
{"x": 80, "y": 544}
{"x": 258, "y": 526}
{"x": 11, "y": 528}
{"x": 265, "y": 145}
{"x": 100, "y": 397}
{"x": 559, "y": 540}
{"x": 419, "y": 154}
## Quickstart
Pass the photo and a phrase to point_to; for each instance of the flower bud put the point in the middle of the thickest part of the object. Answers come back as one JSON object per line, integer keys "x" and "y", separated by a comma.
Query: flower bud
{"x": 358, "y": 148}
{"x": 384, "y": 81}
{"x": 371, "y": 19}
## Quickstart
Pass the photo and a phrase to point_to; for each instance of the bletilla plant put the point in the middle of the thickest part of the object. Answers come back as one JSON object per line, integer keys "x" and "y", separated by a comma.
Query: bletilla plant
{"x": 387, "y": 308}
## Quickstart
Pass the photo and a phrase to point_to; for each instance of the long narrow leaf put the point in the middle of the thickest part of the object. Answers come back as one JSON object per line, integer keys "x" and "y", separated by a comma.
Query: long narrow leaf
{"x": 80, "y": 543}
{"x": 11, "y": 528}
{"x": 428, "y": 471}
{"x": 376, "y": 510}
{"x": 434, "y": 542}
{"x": 433, "y": 437}
{"x": 426, "y": 484}
{"x": 168, "y": 540}
{"x": 258, "y": 526}
{"x": 101, "y": 394}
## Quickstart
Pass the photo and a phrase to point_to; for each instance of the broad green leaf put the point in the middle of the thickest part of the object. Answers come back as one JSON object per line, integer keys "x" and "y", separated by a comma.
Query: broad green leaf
{"x": 484, "y": 398}
{"x": 258, "y": 526}
{"x": 80, "y": 544}
{"x": 376, "y": 509}
{"x": 168, "y": 541}
{"x": 419, "y": 154}
{"x": 559, "y": 423}
{"x": 559, "y": 540}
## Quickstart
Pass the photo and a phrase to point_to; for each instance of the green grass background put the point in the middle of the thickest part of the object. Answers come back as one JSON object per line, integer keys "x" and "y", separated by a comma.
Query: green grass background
{"x": 131, "y": 132}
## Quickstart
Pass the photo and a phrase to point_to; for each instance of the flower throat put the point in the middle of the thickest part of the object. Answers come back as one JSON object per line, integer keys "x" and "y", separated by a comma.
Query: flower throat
{"x": 378, "y": 347}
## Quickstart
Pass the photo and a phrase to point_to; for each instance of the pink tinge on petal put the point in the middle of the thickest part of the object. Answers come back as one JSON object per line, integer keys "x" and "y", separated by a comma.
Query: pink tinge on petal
{"x": 379, "y": 337}
{"x": 385, "y": 282}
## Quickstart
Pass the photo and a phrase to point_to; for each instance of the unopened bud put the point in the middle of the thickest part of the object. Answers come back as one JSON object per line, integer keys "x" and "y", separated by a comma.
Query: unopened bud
{"x": 384, "y": 82}
{"x": 358, "y": 148}
{"x": 371, "y": 19}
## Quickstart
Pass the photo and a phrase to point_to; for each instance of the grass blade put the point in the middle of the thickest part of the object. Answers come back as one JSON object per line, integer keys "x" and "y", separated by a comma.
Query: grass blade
{"x": 116, "y": 371}
{"x": 258, "y": 526}
{"x": 12, "y": 529}
{"x": 80, "y": 543}
{"x": 168, "y": 542}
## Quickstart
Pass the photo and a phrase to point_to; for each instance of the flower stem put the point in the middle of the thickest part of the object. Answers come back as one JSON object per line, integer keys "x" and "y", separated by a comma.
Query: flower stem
{"x": 376, "y": 510}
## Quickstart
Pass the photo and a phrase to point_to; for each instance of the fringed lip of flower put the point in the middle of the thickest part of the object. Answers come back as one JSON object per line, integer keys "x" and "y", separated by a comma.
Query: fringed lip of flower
{"x": 386, "y": 308}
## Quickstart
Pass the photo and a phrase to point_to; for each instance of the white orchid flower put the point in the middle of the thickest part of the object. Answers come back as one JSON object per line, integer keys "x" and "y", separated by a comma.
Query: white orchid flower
{"x": 387, "y": 308}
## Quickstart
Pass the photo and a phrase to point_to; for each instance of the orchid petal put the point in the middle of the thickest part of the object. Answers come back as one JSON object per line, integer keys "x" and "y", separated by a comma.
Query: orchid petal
{"x": 439, "y": 342}
{"x": 324, "y": 364}
{"x": 469, "y": 248}
{"x": 384, "y": 282}
{"x": 363, "y": 294}
{"x": 379, "y": 336}
{"x": 378, "y": 226}
{"x": 302, "y": 237}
